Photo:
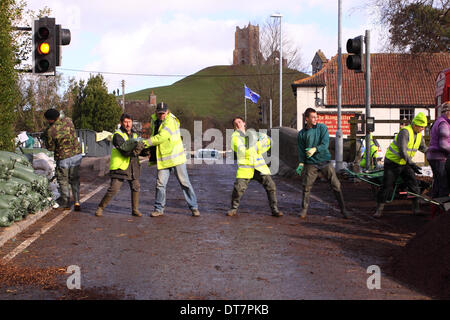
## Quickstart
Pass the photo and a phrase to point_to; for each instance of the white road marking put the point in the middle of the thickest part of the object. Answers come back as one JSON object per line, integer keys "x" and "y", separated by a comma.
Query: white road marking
{"x": 49, "y": 225}
{"x": 45, "y": 228}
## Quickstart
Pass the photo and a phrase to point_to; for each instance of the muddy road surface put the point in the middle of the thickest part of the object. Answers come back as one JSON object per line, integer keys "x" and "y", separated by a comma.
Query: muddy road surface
{"x": 249, "y": 256}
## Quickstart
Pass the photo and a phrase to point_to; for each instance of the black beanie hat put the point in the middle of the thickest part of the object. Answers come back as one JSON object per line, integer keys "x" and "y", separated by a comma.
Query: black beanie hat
{"x": 51, "y": 114}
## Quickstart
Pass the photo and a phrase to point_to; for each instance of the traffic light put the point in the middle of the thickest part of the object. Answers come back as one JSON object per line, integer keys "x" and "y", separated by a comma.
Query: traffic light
{"x": 355, "y": 60}
{"x": 48, "y": 38}
{"x": 44, "y": 46}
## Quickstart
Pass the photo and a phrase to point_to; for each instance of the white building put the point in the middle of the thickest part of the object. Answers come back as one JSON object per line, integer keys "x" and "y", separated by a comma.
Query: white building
{"x": 402, "y": 85}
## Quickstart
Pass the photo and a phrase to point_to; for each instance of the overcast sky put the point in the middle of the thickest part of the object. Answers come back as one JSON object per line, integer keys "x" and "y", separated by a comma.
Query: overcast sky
{"x": 181, "y": 37}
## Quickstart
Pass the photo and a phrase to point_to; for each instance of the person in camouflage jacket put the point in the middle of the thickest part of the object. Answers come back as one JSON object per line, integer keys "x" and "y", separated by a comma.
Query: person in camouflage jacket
{"x": 60, "y": 137}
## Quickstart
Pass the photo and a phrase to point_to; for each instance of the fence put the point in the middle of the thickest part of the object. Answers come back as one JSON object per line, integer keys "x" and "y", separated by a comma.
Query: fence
{"x": 89, "y": 144}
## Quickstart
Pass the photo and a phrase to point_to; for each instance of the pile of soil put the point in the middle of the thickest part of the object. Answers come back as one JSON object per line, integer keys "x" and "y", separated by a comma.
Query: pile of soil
{"x": 425, "y": 261}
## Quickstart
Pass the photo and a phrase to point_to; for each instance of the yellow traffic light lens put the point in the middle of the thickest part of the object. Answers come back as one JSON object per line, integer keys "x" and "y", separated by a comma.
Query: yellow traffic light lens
{"x": 44, "y": 48}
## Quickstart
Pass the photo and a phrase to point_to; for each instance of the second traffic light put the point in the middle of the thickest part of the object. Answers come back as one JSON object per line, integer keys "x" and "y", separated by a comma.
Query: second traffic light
{"x": 355, "y": 58}
{"x": 44, "y": 46}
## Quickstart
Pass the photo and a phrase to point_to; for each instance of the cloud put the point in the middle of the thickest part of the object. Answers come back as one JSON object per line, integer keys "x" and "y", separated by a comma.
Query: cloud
{"x": 182, "y": 37}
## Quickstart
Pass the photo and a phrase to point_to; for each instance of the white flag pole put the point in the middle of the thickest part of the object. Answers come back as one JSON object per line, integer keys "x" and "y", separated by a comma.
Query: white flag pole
{"x": 245, "y": 109}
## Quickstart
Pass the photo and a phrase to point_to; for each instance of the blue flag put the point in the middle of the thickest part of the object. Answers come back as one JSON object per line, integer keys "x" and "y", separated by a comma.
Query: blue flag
{"x": 249, "y": 94}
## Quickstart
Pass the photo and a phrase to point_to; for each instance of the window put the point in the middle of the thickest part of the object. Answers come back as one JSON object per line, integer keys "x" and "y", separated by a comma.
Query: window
{"x": 407, "y": 114}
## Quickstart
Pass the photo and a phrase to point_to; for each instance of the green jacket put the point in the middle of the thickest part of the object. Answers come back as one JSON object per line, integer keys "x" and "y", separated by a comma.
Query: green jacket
{"x": 316, "y": 137}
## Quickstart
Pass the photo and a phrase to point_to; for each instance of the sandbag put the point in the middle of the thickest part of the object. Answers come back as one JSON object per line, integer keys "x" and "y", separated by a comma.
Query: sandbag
{"x": 42, "y": 164}
{"x": 129, "y": 145}
{"x": 15, "y": 206}
{"x": 6, "y": 218}
{"x": 6, "y": 157}
{"x": 25, "y": 175}
{"x": 34, "y": 151}
{"x": 13, "y": 189}
{"x": 23, "y": 167}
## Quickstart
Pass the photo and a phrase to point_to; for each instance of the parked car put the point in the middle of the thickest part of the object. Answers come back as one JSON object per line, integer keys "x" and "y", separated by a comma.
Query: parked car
{"x": 207, "y": 154}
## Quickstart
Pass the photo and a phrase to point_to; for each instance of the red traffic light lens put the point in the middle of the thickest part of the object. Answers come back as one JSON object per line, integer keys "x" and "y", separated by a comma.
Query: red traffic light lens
{"x": 43, "y": 32}
{"x": 44, "y": 48}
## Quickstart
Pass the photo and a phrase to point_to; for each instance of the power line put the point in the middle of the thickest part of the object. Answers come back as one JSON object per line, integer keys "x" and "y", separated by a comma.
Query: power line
{"x": 177, "y": 75}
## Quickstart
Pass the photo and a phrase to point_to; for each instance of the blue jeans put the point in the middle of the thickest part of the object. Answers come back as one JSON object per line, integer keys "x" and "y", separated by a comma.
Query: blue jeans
{"x": 183, "y": 178}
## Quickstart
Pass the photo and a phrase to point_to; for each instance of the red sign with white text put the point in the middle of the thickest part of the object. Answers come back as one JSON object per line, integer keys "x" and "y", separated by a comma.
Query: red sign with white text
{"x": 330, "y": 120}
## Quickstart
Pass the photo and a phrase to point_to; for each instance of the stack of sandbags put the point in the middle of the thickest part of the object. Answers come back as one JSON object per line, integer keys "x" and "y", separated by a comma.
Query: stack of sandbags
{"x": 21, "y": 190}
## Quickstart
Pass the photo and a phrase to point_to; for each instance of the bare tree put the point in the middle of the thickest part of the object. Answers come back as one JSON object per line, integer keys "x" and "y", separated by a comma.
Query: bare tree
{"x": 270, "y": 46}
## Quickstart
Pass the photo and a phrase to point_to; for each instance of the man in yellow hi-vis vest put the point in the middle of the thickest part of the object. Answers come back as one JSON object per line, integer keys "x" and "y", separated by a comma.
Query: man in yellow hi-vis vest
{"x": 124, "y": 165}
{"x": 373, "y": 154}
{"x": 167, "y": 152}
{"x": 398, "y": 162}
{"x": 249, "y": 149}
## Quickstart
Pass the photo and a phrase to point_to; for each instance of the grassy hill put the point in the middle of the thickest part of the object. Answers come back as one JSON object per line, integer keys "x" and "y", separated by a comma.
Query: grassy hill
{"x": 217, "y": 94}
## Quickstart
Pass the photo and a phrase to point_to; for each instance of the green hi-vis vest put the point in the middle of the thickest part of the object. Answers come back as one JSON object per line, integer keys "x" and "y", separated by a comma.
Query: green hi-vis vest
{"x": 393, "y": 153}
{"x": 250, "y": 157}
{"x": 118, "y": 160}
{"x": 169, "y": 145}
{"x": 373, "y": 154}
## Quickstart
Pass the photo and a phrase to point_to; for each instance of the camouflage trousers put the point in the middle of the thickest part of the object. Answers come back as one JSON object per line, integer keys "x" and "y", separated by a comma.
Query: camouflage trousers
{"x": 241, "y": 185}
{"x": 68, "y": 179}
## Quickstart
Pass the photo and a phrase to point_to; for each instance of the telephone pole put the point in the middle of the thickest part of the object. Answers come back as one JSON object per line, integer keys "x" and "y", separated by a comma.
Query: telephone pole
{"x": 123, "y": 95}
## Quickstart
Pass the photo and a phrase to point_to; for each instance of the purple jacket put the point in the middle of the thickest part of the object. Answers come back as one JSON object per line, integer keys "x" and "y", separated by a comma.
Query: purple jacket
{"x": 439, "y": 148}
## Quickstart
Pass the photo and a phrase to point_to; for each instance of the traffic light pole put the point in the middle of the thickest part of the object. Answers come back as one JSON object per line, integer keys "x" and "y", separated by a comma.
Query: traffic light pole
{"x": 367, "y": 77}
{"x": 270, "y": 112}
{"x": 338, "y": 146}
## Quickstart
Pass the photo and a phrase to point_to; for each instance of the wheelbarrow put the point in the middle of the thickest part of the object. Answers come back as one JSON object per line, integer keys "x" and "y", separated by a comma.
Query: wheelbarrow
{"x": 375, "y": 179}
{"x": 442, "y": 203}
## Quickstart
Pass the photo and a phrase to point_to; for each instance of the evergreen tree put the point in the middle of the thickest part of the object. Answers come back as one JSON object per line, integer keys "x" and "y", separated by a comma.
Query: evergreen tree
{"x": 94, "y": 108}
{"x": 415, "y": 26}
{"x": 9, "y": 93}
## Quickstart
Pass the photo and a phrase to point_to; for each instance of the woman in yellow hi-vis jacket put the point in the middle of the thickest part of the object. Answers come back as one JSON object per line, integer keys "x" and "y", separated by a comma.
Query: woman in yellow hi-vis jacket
{"x": 251, "y": 166}
{"x": 169, "y": 156}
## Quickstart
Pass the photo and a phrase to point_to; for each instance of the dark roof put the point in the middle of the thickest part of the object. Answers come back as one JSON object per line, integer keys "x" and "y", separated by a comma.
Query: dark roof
{"x": 396, "y": 79}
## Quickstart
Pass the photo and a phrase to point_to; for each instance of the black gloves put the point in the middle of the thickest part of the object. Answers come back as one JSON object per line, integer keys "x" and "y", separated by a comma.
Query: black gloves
{"x": 140, "y": 146}
{"x": 416, "y": 168}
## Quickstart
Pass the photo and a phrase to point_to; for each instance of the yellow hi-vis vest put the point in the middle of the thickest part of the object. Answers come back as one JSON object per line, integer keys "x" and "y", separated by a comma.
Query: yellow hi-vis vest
{"x": 250, "y": 157}
{"x": 393, "y": 152}
{"x": 118, "y": 160}
{"x": 169, "y": 146}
